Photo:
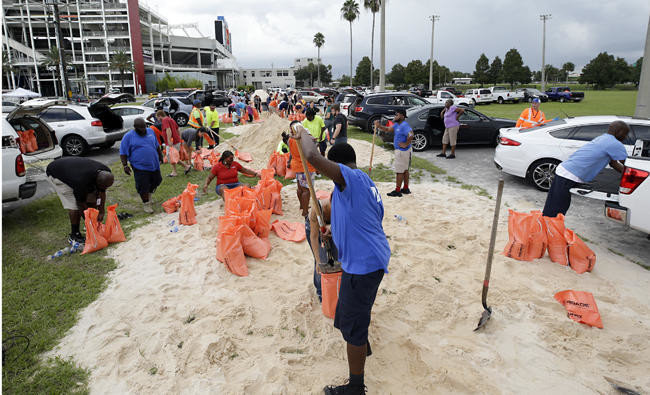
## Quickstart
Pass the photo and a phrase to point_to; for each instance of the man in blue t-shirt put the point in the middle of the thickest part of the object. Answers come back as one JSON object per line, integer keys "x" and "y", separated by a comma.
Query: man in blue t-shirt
{"x": 402, "y": 142}
{"x": 356, "y": 229}
{"x": 584, "y": 164}
{"x": 140, "y": 147}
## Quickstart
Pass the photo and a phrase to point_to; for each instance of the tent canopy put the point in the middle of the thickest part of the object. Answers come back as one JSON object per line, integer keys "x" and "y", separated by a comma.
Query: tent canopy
{"x": 20, "y": 92}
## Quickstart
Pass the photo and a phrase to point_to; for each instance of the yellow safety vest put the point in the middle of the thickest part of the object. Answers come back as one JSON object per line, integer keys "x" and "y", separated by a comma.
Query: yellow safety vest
{"x": 193, "y": 122}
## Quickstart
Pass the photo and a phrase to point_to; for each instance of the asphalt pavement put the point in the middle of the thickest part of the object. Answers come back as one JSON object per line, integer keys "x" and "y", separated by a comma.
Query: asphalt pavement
{"x": 475, "y": 165}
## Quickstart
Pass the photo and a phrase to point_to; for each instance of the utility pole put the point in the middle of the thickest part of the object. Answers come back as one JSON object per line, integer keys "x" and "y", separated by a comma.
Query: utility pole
{"x": 59, "y": 37}
{"x": 643, "y": 96}
{"x": 433, "y": 19}
{"x": 382, "y": 48}
{"x": 544, "y": 18}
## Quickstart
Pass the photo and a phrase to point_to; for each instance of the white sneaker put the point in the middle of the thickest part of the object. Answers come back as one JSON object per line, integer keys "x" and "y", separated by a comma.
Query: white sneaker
{"x": 148, "y": 207}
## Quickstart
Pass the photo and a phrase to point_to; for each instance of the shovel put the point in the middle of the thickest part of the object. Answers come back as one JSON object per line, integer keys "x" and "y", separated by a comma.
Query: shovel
{"x": 332, "y": 265}
{"x": 488, "y": 267}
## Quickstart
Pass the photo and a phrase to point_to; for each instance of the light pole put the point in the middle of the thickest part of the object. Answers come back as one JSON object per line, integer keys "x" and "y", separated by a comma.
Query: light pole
{"x": 63, "y": 67}
{"x": 643, "y": 97}
{"x": 544, "y": 18}
{"x": 382, "y": 48}
{"x": 433, "y": 19}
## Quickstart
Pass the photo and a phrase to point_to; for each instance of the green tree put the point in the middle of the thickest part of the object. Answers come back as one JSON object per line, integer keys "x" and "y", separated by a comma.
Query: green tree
{"x": 373, "y": 6}
{"x": 52, "y": 62}
{"x": 414, "y": 73}
{"x": 513, "y": 68}
{"x": 568, "y": 68}
{"x": 600, "y": 71}
{"x": 319, "y": 41}
{"x": 350, "y": 12}
{"x": 552, "y": 73}
{"x": 526, "y": 75}
{"x": 623, "y": 71}
{"x": 636, "y": 71}
{"x": 481, "y": 70}
{"x": 345, "y": 80}
{"x": 396, "y": 75}
{"x": 362, "y": 76}
{"x": 121, "y": 61}
{"x": 495, "y": 71}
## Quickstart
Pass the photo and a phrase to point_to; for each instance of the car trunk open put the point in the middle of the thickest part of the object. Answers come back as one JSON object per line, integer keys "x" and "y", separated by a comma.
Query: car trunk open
{"x": 45, "y": 137}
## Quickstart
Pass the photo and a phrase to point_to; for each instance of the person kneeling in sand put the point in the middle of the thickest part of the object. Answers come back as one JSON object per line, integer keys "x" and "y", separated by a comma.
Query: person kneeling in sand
{"x": 356, "y": 217}
{"x": 315, "y": 240}
{"x": 226, "y": 173}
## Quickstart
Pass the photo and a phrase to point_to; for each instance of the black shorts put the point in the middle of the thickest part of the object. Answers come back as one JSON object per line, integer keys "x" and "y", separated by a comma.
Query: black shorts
{"x": 146, "y": 181}
{"x": 356, "y": 297}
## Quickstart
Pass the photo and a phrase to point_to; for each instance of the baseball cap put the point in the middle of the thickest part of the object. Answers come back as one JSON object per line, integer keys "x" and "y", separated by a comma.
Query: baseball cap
{"x": 401, "y": 111}
{"x": 535, "y": 100}
{"x": 197, "y": 102}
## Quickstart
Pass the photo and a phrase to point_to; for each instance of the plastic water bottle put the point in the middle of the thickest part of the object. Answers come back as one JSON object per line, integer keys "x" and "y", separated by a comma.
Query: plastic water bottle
{"x": 174, "y": 229}
{"x": 399, "y": 218}
{"x": 171, "y": 223}
{"x": 59, "y": 253}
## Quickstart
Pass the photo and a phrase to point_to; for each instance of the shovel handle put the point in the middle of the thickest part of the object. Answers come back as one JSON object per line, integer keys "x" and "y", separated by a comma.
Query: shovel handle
{"x": 312, "y": 192}
{"x": 493, "y": 236}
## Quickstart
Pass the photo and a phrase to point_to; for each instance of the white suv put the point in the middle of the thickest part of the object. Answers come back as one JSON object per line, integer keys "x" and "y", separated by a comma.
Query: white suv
{"x": 479, "y": 96}
{"x": 311, "y": 96}
{"x": 15, "y": 182}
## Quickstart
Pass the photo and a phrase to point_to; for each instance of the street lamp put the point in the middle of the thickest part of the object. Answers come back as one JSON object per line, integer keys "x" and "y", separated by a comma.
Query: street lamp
{"x": 544, "y": 18}
{"x": 433, "y": 19}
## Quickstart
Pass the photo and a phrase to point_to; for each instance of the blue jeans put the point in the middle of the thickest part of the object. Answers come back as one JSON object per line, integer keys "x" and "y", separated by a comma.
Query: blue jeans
{"x": 228, "y": 186}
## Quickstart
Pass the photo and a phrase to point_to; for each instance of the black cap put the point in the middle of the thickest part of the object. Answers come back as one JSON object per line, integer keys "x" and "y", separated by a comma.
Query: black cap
{"x": 401, "y": 111}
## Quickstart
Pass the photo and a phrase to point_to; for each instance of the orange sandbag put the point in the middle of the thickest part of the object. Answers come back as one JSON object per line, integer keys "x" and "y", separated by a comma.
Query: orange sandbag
{"x": 187, "y": 214}
{"x": 581, "y": 258}
{"x": 556, "y": 241}
{"x": 171, "y": 205}
{"x": 22, "y": 141}
{"x": 32, "y": 144}
{"x": 330, "y": 284}
{"x": 536, "y": 237}
{"x": 214, "y": 158}
{"x": 267, "y": 174}
{"x": 526, "y": 236}
{"x": 198, "y": 161}
{"x": 580, "y": 307}
{"x": 228, "y": 194}
{"x": 245, "y": 156}
{"x": 291, "y": 231}
{"x": 159, "y": 134}
{"x": 209, "y": 139}
{"x": 94, "y": 240}
{"x": 263, "y": 223}
{"x": 164, "y": 152}
{"x": 323, "y": 195}
{"x": 114, "y": 232}
{"x": 264, "y": 198}
{"x": 174, "y": 155}
{"x": 230, "y": 251}
{"x": 184, "y": 153}
{"x": 289, "y": 174}
{"x": 252, "y": 245}
{"x": 256, "y": 115}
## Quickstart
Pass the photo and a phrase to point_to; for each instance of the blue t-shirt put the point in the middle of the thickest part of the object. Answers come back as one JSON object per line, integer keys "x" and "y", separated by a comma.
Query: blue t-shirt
{"x": 401, "y": 132}
{"x": 592, "y": 157}
{"x": 357, "y": 213}
{"x": 141, "y": 151}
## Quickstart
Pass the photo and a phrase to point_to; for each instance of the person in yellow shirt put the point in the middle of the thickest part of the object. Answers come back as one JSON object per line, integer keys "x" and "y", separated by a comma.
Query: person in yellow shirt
{"x": 316, "y": 127}
{"x": 212, "y": 123}
{"x": 531, "y": 116}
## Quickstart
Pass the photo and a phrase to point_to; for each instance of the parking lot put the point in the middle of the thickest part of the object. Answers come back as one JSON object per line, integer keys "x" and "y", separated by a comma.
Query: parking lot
{"x": 474, "y": 165}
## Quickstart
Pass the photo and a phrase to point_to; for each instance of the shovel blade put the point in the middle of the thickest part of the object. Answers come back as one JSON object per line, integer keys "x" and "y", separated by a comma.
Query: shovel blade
{"x": 484, "y": 318}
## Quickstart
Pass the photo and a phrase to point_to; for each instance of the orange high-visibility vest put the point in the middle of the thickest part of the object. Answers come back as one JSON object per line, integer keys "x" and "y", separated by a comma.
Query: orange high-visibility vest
{"x": 193, "y": 122}
{"x": 530, "y": 118}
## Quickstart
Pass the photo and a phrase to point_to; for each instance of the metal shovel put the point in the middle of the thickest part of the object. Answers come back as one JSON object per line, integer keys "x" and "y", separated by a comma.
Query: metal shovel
{"x": 488, "y": 267}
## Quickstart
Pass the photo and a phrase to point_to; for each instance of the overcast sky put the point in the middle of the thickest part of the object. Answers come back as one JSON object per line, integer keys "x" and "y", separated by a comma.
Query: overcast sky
{"x": 265, "y": 32}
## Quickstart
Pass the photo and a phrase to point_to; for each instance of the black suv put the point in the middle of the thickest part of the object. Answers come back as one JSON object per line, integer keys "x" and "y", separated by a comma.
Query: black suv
{"x": 370, "y": 108}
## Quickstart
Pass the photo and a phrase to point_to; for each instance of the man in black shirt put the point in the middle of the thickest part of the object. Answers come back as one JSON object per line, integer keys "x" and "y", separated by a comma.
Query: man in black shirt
{"x": 80, "y": 183}
{"x": 339, "y": 125}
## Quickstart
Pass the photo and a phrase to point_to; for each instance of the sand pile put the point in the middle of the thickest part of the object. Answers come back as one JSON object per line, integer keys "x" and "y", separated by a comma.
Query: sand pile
{"x": 174, "y": 320}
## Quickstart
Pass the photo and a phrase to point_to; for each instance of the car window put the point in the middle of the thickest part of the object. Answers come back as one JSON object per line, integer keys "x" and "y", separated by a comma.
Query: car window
{"x": 469, "y": 92}
{"x": 72, "y": 115}
{"x": 397, "y": 101}
{"x": 562, "y": 133}
{"x": 350, "y": 99}
{"x": 373, "y": 100}
{"x": 469, "y": 116}
{"x": 485, "y": 92}
{"x": 445, "y": 95}
{"x": 149, "y": 103}
{"x": 416, "y": 101}
{"x": 589, "y": 132}
{"x": 641, "y": 132}
{"x": 435, "y": 112}
{"x": 54, "y": 115}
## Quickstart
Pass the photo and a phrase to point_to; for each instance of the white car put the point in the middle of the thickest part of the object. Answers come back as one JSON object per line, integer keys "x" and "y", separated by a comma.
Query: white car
{"x": 346, "y": 103}
{"x": 534, "y": 153}
{"x": 130, "y": 113}
{"x": 441, "y": 97}
{"x": 80, "y": 127}
{"x": 8, "y": 106}
{"x": 501, "y": 95}
{"x": 479, "y": 96}
{"x": 15, "y": 183}
{"x": 311, "y": 96}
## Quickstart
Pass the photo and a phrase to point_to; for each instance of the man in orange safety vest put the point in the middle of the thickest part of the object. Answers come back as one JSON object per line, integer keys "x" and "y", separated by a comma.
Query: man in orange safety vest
{"x": 531, "y": 116}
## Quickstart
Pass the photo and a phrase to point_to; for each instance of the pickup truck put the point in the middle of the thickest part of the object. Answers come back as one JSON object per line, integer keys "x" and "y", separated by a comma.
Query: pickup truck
{"x": 440, "y": 97}
{"x": 563, "y": 93}
{"x": 501, "y": 95}
{"x": 629, "y": 206}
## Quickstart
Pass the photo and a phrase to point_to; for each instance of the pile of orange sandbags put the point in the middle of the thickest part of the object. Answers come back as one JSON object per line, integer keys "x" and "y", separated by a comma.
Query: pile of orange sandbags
{"x": 27, "y": 141}
{"x": 531, "y": 235}
{"x": 278, "y": 162}
{"x": 297, "y": 117}
{"x": 245, "y": 227}
{"x": 98, "y": 235}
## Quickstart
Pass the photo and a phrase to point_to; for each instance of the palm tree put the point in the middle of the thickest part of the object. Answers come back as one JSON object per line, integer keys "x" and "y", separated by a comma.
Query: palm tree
{"x": 52, "y": 62}
{"x": 319, "y": 40}
{"x": 350, "y": 12}
{"x": 121, "y": 61}
{"x": 373, "y": 6}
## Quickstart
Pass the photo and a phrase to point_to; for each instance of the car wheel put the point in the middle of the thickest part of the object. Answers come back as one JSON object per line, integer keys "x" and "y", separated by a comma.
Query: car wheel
{"x": 500, "y": 100}
{"x": 530, "y": 99}
{"x": 541, "y": 173}
{"x": 473, "y": 102}
{"x": 181, "y": 119}
{"x": 420, "y": 141}
{"x": 371, "y": 122}
{"x": 74, "y": 146}
{"x": 562, "y": 100}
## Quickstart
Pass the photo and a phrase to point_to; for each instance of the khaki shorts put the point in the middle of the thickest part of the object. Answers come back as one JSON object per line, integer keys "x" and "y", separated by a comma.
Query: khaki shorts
{"x": 450, "y": 136}
{"x": 66, "y": 194}
{"x": 402, "y": 160}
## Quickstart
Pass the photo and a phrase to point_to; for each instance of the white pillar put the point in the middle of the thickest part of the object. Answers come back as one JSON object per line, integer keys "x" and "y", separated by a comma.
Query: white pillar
{"x": 643, "y": 95}
{"x": 382, "y": 48}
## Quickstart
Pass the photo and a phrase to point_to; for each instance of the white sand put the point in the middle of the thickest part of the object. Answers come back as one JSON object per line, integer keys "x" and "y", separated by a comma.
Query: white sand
{"x": 265, "y": 333}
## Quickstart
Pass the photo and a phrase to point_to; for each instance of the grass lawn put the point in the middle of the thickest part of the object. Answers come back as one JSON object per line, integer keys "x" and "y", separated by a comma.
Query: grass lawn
{"x": 595, "y": 103}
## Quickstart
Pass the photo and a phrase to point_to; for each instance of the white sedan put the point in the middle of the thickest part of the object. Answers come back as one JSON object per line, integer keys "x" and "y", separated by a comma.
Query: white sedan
{"x": 130, "y": 113}
{"x": 534, "y": 153}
